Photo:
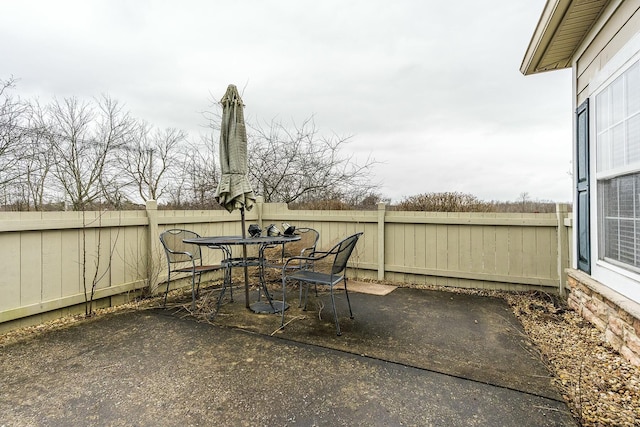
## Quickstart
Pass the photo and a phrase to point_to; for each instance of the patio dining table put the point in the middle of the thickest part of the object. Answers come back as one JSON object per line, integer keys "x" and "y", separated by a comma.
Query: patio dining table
{"x": 263, "y": 242}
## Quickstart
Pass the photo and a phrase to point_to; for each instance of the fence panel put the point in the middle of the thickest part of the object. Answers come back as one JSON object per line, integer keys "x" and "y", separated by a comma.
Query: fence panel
{"x": 511, "y": 249}
{"x": 49, "y": 258}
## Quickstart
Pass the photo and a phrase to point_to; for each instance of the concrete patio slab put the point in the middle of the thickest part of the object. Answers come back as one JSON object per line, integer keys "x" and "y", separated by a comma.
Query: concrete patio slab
{"x": 412, "y": 357}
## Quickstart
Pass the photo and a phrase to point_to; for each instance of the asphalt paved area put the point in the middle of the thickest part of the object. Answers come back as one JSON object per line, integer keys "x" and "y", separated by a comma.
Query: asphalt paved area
{"x": 412, "y": 357}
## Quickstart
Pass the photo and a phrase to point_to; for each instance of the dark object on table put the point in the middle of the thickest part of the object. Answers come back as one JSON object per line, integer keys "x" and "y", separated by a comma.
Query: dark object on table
{"x": 277, "y": 255}
{"x": 288, "y": 229}
{"x": 255, "y": 230}
{"x": 273, "y": 231}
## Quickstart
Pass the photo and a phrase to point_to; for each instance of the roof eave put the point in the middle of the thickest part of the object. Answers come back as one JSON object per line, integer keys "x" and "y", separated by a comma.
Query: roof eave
{"x": 548, "y": 25}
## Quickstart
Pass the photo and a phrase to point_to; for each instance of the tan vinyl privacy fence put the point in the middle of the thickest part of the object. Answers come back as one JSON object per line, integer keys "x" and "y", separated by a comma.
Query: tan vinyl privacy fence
{"x": 50, "y": 261}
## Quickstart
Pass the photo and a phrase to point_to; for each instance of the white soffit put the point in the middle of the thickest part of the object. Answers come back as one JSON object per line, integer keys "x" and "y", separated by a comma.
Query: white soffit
{"x": 561, "y": 28}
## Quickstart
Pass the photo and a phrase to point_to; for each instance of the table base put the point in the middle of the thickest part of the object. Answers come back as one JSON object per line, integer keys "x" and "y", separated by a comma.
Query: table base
{"x": 263, "y": 307}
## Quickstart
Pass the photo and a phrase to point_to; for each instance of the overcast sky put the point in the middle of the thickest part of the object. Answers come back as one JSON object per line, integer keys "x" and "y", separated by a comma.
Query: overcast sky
{"x": 430, "y": 89}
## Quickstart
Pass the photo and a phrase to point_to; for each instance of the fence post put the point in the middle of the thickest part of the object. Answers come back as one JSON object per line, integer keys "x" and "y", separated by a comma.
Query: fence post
{"x": 381, "y": 217}
{"x": 152, "y": 244}
{"x": 563, "y": 246}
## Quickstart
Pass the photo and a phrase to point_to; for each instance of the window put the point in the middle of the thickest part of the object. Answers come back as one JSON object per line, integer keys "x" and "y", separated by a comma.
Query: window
{"x": 621, "y": 219}
{"x": 618, "y": 169}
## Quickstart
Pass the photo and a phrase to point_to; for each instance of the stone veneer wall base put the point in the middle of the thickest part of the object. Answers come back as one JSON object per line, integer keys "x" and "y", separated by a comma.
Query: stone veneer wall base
{"x": 617, "y": 316}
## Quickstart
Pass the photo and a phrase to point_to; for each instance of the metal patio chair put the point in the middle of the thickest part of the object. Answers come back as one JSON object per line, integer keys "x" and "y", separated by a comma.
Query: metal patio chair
{"x": 328, "y": 268}
{"x": 187, "y": 258}
{"x": 276, "y": 255}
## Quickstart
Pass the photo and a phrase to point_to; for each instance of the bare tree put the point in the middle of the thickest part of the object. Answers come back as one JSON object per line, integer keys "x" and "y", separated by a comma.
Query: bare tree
{"x": 36, "y": 165}
{"x": 523, "y": 199}
{"x": 149, "y": 162}
{"x": 85, "y": 139}
{"x": 13, "y": 131}
{"x": 196, "y": 184}
{"x": 298, "y": 164}
{"x": 24, "y": 155}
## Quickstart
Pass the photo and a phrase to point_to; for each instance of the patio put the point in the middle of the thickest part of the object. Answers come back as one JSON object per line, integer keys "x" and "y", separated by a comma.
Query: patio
{"x": 410, "y": 357}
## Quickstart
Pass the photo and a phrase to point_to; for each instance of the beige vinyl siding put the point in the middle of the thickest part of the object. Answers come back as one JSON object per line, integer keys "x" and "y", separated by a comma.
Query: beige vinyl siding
{"x": 606, "y": 41}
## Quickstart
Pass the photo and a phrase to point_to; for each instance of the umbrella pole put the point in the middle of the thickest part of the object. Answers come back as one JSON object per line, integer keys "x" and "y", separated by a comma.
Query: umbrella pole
{"x": 244, "y": 260}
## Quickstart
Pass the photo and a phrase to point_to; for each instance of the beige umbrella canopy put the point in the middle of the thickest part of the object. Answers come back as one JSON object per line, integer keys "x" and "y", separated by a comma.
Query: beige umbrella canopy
{"x": 234, "y": 191}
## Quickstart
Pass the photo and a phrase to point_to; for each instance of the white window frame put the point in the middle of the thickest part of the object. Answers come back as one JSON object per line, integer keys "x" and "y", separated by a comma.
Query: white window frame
{"x": 621, "y": 279}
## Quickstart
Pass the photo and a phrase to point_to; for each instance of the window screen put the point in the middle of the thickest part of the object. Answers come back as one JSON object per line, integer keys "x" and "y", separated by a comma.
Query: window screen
{"x": 618, "y": 169}
{"x": 620, "y": 215}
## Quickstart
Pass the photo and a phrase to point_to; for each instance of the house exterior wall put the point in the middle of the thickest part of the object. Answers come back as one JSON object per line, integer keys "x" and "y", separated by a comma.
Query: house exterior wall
{"x": 611, "y": 45}
{"x": 609, "y": 296}
{"x": 619, "y": 23}
{"x": 613, "y": 314}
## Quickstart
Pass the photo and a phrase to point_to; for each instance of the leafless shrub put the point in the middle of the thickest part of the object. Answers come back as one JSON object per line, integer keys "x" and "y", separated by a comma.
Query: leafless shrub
{"x": 444, "y": 202}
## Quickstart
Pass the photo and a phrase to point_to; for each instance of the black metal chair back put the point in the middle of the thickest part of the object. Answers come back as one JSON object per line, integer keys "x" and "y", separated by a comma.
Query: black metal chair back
{"x": 343, "y": 252}
{"x": 326, "y": 268}
{"x": 176, "y": 249}
{"x": 186, "y": 258}
{"x": 308, "y": 240}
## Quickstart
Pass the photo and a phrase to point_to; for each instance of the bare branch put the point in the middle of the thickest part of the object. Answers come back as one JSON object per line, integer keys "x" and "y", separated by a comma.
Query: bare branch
{"x": 297, "y": 164}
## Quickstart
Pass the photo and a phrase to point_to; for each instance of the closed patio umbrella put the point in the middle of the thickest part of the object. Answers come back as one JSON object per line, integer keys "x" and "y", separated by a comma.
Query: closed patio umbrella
{"x": 234, "y": 190}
